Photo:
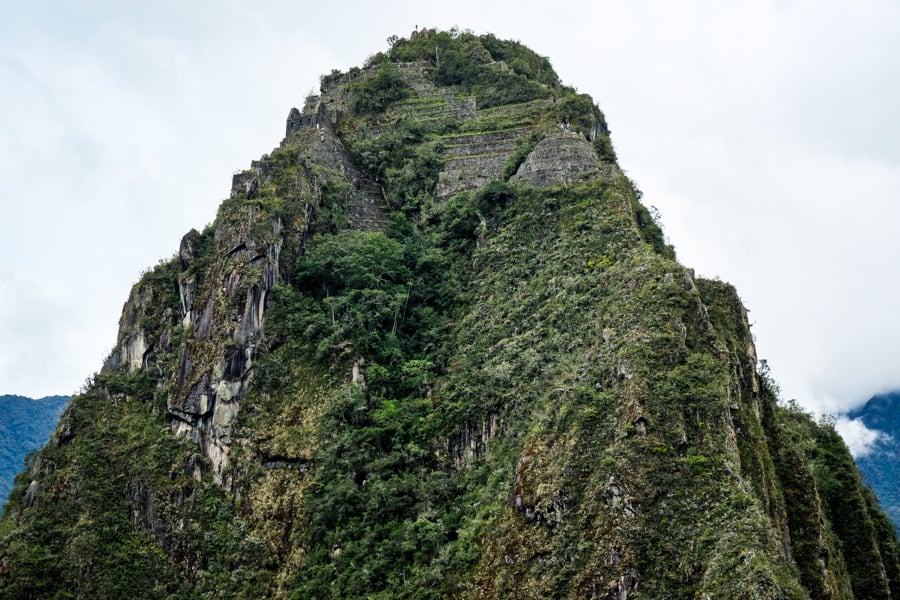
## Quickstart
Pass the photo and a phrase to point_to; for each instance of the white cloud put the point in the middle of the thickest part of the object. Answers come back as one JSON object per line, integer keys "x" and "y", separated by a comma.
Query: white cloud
{"x": 761, "y": 133}
{"x": 860, "y": 439}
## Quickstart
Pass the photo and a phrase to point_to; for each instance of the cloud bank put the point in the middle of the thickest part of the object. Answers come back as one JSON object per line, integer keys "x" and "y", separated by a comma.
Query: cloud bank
{"x": 861, "y": 440}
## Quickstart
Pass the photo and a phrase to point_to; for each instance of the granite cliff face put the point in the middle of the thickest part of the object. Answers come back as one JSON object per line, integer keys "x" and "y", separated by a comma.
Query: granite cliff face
{"x": 433, "y": 345}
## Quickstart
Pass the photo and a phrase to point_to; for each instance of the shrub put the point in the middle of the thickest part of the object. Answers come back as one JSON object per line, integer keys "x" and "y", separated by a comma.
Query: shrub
{"x": 374, "y": 95}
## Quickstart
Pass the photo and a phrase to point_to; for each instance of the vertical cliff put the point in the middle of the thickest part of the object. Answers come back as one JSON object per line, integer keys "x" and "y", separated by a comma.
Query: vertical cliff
{"x": 433, "y": 345}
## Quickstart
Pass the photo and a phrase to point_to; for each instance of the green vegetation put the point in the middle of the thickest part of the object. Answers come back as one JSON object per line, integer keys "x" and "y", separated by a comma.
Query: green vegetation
{"x": 466, "y": 60}
{"x": 405, "y": 158}
{"x": 86, "y": 542}
{"x": 510, "y": 392}
{"x": 373, "y": 96}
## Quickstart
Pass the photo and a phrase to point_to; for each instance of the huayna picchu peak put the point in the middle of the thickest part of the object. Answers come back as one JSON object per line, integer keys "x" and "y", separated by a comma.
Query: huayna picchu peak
{"x": 434, "y": 346}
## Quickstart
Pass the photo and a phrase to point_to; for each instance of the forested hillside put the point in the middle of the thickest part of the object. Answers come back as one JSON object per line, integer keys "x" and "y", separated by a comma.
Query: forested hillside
{"x": 435, "y": 346}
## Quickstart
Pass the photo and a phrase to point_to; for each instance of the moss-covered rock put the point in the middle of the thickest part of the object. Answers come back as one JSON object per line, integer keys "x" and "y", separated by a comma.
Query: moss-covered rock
{"x": 435, "y": 346}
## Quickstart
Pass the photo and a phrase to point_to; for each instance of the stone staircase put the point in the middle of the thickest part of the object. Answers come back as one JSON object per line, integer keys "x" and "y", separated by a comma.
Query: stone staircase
{"x": 367, "y": 208}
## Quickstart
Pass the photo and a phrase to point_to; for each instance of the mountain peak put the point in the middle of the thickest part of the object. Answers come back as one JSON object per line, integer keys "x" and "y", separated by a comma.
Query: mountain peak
{"x": 434, "y": 345}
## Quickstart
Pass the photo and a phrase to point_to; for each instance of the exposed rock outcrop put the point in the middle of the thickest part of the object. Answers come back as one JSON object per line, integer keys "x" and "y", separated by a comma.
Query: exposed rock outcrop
{"x": 561, "y": 157}
{"x": 474, "y": 160}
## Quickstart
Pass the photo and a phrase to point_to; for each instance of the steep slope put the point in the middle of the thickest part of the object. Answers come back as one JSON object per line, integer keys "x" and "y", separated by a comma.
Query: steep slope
{"x": 880, "y": 468}
{"x": 434, "y": 346}
{"x": 25, "y": 426}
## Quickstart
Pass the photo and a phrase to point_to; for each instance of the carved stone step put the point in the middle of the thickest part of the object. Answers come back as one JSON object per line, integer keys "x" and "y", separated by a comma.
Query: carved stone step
{"x": 367, "y": 208}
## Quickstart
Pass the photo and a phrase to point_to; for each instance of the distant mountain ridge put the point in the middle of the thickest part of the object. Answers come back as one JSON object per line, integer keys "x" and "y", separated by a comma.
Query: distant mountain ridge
{"x": 880, "y": 467}
{"x": 25, "y": 426}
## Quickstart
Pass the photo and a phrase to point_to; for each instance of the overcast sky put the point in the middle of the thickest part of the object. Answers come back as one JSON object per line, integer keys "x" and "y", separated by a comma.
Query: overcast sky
{"x": 766, "y": 133}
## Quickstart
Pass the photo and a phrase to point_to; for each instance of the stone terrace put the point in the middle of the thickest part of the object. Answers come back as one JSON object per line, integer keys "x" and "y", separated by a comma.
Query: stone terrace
{"x": 475, "y": 159}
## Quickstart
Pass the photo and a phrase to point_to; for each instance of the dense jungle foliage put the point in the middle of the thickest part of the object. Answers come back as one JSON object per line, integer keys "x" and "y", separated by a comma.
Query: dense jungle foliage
{"x": 511, "y": 392}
